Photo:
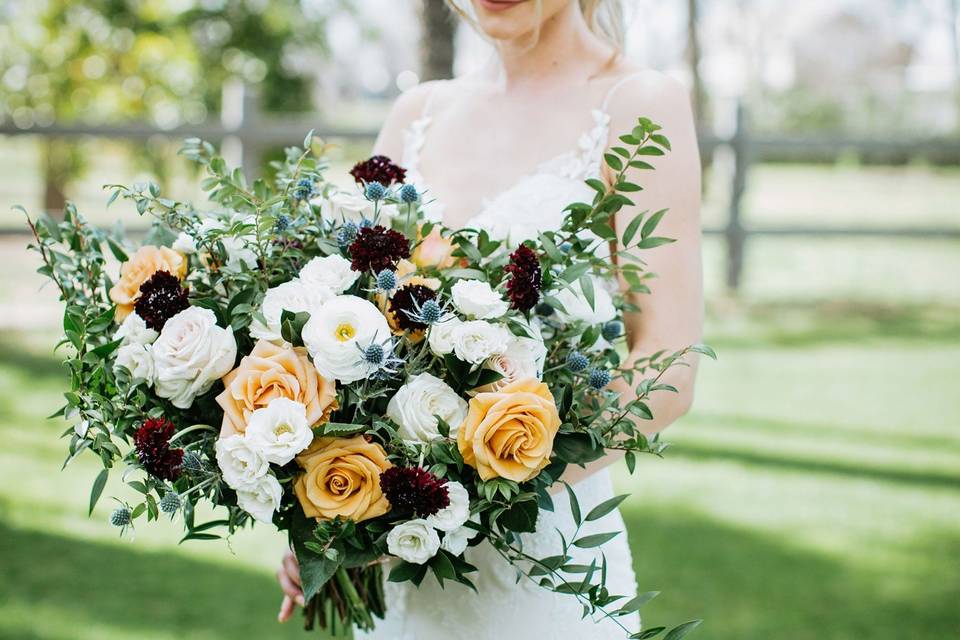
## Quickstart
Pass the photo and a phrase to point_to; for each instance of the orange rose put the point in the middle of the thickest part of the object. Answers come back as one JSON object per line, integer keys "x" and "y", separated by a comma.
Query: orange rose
{"x": 342, "y": 478}
{"x": 433, "y": 251}
{"x": 269, "y": 372}
{"x": 138, "y": 269}
{"x": 509, "y": 433}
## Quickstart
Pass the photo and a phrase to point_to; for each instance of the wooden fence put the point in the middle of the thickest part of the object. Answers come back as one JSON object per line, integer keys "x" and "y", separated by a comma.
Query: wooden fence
{"x": 243, "y": 125}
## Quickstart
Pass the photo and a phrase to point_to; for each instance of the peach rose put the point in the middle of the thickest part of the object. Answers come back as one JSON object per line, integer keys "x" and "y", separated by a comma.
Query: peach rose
{"x": 509, "y": 433}
{"x": 269, "y": 372}
{"x": 138, "y": 269}
{"x": 433, "y": 251}
{"x": 342, "y": 478}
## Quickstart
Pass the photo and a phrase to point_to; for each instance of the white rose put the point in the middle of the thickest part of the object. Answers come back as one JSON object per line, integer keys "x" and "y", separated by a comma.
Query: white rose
{"x": 476, "y": 299}
{"x": 440, "y": 336}
{"x": 138, "y": 360}
{"x": 329, "y": 274}
{"x": 343, "y": 206}
{"x": 191, "y": 353}
{"x": 293, "y": 296}
{"x": 133, "y": 330}
{"x": 241, "y": 465}
{"x": 476, "y": 340}
{"x": 577, "y": 308}
{"x": 338, "y": 334}
{"x": 184, "y": 244}
{"x": 417, "y": 404}
{"x": 523, "y": 358}
{"x": 279, "y": 431}
{"x": 454, "y": 514}
{"x": 456, "y": 541}
{"x": 261, "y": 499}
{"x": 414, "y": 541}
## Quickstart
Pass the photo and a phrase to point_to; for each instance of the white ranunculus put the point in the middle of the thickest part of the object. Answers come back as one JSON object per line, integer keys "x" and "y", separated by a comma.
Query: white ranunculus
{"x": 440, "y": 335}
{"x": 345, "y": 206}
{"x": 338, "y": 334}
{"x": 477, "y": 299}
{"x": 242, "y": 466}
{"x": 577, "y": 308}
{"x": 456, "y": 541}
{"x": 454, "y": 514}
{"x": 191, "y": 353}
{"x": 138, "y": 360}
{"x": 476, "y": 340}
{"x": 280, "y": 430}
{"x": 261, "y": 499}
{"x": 293, "y": 296}
{"x": 184, "y": 244}
{"x": 133, "y": 330}
{"x": 417, "y": 404}
{"x": 329, "y": 274}
{"x": 414, "y": 541}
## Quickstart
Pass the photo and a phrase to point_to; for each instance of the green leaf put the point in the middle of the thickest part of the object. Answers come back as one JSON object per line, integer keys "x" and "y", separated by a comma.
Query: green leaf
{"x": 315, "y": 570}
{"x": 605, "y": 507}
{"x": 442, "y": 567}
{"x": 341, "y": 429}
{"x": 632, "y": 228}
{"x": 646, "y": 634}
{"x": 574, "y": 504}
{"x": 595, "y": 540}
{"x": 654, "y": 242}
{"x": 97, "y": 489}
{"x": 576, "y": 448}
{"x": 662, "y": 141}
{"x": 652, "y": 223}
{"x": 550, "y": 248}
{"x": 614, "y": 162}
{"x": 650, "y": 151}
{"x": 705, "y": 350}
{"x": 636, "y": 603}
{"x": 404, "y": 571}
{"x": 682, "y": 630}
{"x": 586, "y": 285}
{"x": 521, "y": 517}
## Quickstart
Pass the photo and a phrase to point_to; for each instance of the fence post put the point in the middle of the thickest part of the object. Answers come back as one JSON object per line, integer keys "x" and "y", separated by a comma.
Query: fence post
{"x": 735, "y": 234}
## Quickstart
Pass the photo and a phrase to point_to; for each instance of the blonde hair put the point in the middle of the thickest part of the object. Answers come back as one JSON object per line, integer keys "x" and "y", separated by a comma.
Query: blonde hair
{"x": 604, "y": 17}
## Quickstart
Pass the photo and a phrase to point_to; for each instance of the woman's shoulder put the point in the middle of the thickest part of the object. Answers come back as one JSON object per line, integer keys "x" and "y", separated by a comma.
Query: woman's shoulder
{"x": 628, "y": 86}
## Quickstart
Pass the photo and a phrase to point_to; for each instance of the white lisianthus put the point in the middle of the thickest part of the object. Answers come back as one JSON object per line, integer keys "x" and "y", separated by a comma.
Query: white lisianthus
{"x": 328, "y": 275}
{"x": 414, "y": 541}
{"x": 417, "y": 404}
{"x": 440, "y": 335}
{"x": 191, "y": 353}
{"x": 456, "y": 541}
{"x": 454, "y": 514}
{"x": 242, "y": 466}
{"x": 279, "y": 431}
{"x": 261, "y": 499}
{"x": 138, "y": 360}
{"x": 476, "y": 340}
{"x": 477, "y": 299}
{"x": 184, "y": 244}
{"x": 338, "y": 334}
{"x": 344, "y": 206}
{"x": 133, "y": 330}
{"x": 577, "y": 308}
{"x": 293, "y": 296}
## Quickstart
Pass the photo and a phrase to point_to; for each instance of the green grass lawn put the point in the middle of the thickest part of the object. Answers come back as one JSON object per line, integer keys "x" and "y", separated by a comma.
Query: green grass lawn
{"x": 814, "y": 493}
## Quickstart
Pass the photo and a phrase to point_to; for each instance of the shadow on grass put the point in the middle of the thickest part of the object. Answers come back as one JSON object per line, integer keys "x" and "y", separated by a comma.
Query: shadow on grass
{"x": 49, "y": 365}
{"x": 747, "y": 586}
{"x": 135, "y": 590}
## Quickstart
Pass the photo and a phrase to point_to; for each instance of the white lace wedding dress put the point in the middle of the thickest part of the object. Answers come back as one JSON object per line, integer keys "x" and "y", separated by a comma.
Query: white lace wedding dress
{"x": 505, "y": 608}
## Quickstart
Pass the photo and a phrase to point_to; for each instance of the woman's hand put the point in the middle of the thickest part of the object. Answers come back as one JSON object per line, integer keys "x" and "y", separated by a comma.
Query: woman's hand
{"x": 288, "y": 575}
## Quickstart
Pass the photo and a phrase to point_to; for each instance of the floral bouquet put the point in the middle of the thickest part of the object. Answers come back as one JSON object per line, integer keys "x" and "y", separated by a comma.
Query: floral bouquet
{"x": 337, "y": 363}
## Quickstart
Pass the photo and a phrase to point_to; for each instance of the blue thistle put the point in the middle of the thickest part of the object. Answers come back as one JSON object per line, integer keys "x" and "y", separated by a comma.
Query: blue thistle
{"x": 612, "y": 330}
{"x": 430, "y": 312}
{"x": 386, "y": 280}
{"x": 375, "y": 191}
{"x": 347, "y": 234}
{"x": 366, "y": 223}
{"x": 374, "y": 354}
{"x": 170, "y": 503}
{"x": 380, "y": 359}
{"x": 408, "y": 194}
{"x": 545, "y": 310}
{"x": 191, "y": 463}
{"x": 565, "y": 247}
{"x": 577, "y": 362}
{"x": 599, "y": 378}
{"x": 121, "y": 516}
{"x": 282, "y": 224}
{"x": 305, "y": 189}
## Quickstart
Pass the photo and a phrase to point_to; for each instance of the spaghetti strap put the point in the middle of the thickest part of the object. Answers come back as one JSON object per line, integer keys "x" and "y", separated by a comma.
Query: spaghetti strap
{"x": 425, "y": 111}
{"x": 619, "y": 83}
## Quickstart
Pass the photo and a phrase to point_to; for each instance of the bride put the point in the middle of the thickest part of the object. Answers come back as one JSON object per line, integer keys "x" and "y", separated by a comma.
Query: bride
{"x": 506, "y": 149}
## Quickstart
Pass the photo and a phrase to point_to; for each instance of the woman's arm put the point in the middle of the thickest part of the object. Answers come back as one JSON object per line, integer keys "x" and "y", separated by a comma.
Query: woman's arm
{"x": 406, "y": 108}
{"x": 672, "y": 313}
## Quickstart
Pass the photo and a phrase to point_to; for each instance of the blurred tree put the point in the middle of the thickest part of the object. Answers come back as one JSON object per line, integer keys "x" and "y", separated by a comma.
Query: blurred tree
{"x": 436, "y": 40}
{"x": 693, "y": 61}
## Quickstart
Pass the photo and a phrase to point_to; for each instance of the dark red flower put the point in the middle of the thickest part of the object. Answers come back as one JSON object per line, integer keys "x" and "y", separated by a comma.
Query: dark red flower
{"x": 161, "y": 298}
{"x": 405, "y": 305}
{"x": 414, "y": 489}
{"x": 524, "y": 287}
{"x": 377, "y": 248}
{"x": 378, "y": 169}
{"x": 152, "y": 444}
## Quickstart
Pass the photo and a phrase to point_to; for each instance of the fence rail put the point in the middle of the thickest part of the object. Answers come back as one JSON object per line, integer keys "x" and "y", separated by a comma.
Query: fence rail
{"x": 242, "y": 123}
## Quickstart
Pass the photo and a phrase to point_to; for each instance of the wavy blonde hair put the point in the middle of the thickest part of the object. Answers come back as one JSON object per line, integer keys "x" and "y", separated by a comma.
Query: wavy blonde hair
{"x": 604, "y": 17}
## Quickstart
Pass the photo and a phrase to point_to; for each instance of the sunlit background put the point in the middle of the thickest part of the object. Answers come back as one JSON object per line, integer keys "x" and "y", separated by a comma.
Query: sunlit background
{"x": 814, "y": 491}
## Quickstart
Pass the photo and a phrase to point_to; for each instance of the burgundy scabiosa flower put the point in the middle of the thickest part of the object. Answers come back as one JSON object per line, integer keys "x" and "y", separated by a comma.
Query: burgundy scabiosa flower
{"x": 414, "y": 489}
{"x": 377, "y": 248}
{"x": 406, "y": 305}
{"x": 524, "y": 287}
{"x": 152, "y": 444}
{"x": 161, "y": 298}
{"x": 378, "y": 169}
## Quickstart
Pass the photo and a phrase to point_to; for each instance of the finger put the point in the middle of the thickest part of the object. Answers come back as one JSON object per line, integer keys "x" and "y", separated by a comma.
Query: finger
{"x": 292, "y": 569}
{"x": 289, "y": 588}
{"x": 286, "y": 609}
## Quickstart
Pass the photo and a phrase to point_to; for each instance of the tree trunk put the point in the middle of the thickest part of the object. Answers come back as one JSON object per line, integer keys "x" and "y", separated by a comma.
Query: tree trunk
{"x": 438, "y": 28}
{"x": 693, "y": 60}
{"x": 56, "y": 171}
{"x": 954, "y": 16}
